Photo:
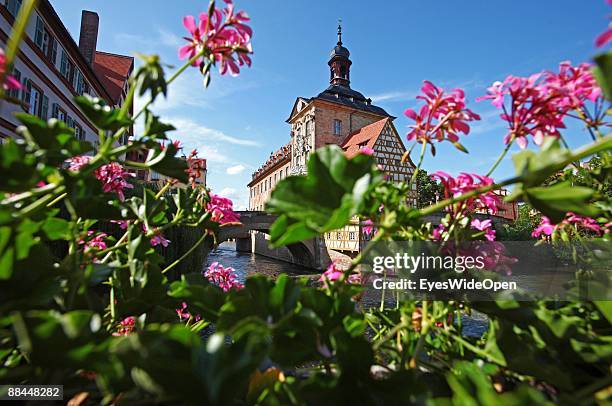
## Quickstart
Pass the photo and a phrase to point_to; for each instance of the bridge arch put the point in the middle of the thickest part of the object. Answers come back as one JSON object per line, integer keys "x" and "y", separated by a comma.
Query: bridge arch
{"x": 302, "y": 253}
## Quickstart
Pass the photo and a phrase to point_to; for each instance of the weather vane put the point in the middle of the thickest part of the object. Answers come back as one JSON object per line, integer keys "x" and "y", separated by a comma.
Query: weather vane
{"x": 339, "y": 31}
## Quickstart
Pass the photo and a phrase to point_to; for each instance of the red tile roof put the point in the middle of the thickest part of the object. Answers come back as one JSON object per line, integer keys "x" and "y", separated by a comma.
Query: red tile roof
{"x": 113, "y": 71}
{"x": 365, "y": 136}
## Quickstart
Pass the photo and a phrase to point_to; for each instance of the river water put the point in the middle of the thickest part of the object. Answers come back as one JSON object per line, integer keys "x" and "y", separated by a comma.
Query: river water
{"x": 246, "y": 264}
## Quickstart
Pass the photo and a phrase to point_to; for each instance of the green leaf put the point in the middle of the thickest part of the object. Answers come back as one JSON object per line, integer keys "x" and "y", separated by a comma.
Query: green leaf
{"x": 535, "y": 167}
{"x": 605, "y": 307}
{"x": 56, "y": 228}
{"x": 557, "y": 200}
{"x": 155, "y": 129}
{"x": 102, "y": 115}
{"x": 305, "y": 211}
{"x": 603, "y": 73}
{"x": 165, "y": 163}
{"x": 150, "y": 77}
{"x": 6, "y": 263}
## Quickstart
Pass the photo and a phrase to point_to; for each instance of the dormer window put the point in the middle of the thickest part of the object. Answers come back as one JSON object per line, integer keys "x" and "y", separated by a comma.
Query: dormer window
{"x": 337, "y": 127}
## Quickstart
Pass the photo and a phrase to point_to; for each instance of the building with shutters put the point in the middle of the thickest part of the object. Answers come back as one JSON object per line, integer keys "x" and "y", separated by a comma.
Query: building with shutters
{"x": 53, "y": 69}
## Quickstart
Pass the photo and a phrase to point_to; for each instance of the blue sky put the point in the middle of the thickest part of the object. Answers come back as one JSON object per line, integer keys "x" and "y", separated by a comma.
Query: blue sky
{"x": 394, "y": 45}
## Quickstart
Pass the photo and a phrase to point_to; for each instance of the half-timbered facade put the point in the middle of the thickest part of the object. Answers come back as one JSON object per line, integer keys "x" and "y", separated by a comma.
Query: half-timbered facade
{"x": 53, "y": 69}
{"x": 342, "y": 116}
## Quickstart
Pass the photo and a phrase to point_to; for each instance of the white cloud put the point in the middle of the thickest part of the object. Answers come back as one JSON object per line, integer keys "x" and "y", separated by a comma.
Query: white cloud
{"x": 394, "y": 96}
{"x": 211, "y": 153}
{"x": 195, "y": 133}
{"x": 239, "y": 198}
{"x": 169, "y": 39}
{"x": 228, "y": 192}
{"x": 149, "y": 43}
{"x": 236, "y": 169}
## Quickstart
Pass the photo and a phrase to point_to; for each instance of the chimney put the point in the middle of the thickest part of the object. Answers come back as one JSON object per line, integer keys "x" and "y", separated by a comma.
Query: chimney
{"x": 89, "y": 35}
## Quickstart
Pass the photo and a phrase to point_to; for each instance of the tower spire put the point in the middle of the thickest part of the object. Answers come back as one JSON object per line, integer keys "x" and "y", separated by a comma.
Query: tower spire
{"x": 339, "y": 62}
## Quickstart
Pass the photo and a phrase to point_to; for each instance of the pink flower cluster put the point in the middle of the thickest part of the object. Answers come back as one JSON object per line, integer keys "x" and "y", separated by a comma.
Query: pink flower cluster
{"x": 195, "y": 167}
{"x": 465, "y": 182}
{"x": 126, "y": 327}
{"x": 10, "y": 83}
{"x": 184, "y": 314}
{"x": 224, "y": 36}
{"x": 486, "y": 226}
{"x": 442, "y": 117}
{"x": 333, "y": 273}
{"x": 157, "y": 238}
{"x": 546, "y": 228}
{"x": 76, "y": 163}
{"x": 539, "y": 103}
{"x": 96, "y": 243}
{"x": 366, "y": 151}
{"x": 222, "y": 210}
{"x": 367, "y": 227}
{"x": 112, "y": 176}
{"x": 225, "y": 278}
{"x": 494, "y": 255}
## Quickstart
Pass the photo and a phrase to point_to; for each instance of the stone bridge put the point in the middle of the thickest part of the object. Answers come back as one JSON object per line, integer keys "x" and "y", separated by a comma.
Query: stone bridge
{"x": 306, "y": 253}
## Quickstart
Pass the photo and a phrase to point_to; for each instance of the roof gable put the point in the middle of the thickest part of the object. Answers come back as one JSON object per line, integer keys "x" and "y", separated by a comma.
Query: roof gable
{"x": 113, "y": 71}
{"x": 363, "y": 137}
{"x": 298, "y": 106}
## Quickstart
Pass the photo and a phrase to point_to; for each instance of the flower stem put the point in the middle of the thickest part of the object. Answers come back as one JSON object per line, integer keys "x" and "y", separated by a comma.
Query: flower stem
{"x": 418, "y": 167}
{"x": 500, "y": 158}
{"x": 186, "y": 254}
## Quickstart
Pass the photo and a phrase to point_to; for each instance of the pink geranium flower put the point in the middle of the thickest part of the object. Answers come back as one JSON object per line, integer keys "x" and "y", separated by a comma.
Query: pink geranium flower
{"x": 538, "y": 104}
{"x": 159, "y": 239}
{"x": 126, "y": 327}
{"x": 76, "y": 163}
{"x": 465, "y": 182}
{"x": 486, "y": 226}
{"x": 366, "y": 151}
{"x": 222, "y": 210}
{"x": 333, "y": 273}
{"x": 443, "y": 116}
{"x": 546, "y": 228}
{"x": 113, "y": 178}
{"x": 368, "y": 227}
{"x": 225, "y": 278}
{"x": 10, "y": 83}
{"x": 224, "y": 35}
{"x": 96, "y": 243}
{"x": 604, "y": 38}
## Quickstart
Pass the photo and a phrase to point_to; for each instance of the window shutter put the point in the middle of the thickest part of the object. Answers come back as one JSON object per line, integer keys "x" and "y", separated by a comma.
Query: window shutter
{"x": 64, "y": 64}
{"x": 79, "y": 82}
{"x": 54, "y": 110}
{"x": 53, "y": 50}
{"x": 44, "y": 108}
{"x": 15, "y": 92}
{"x": 38, "y": 36}
{"x": 69, "y": 121}
{"x": 27, "y": 90}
